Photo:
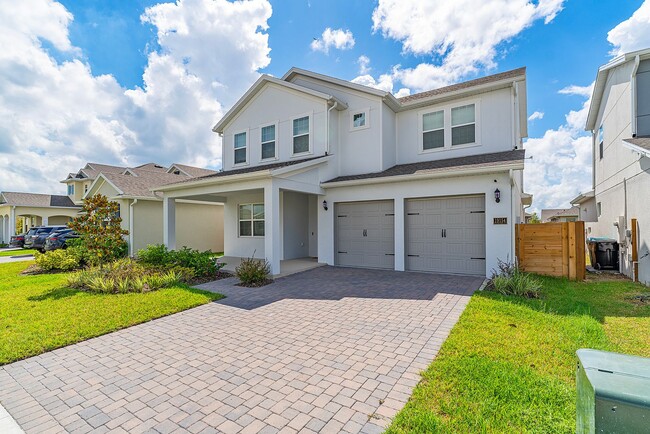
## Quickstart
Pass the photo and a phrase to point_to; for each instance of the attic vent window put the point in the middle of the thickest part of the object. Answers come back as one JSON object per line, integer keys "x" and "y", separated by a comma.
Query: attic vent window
{"x": 177, "y": 172}
{"x": 157, "y": 166}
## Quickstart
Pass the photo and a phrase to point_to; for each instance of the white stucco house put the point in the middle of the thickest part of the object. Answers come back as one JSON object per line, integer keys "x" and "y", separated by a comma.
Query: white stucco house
{"x": 619, "y": 119}
{"x": 318, "y": 167}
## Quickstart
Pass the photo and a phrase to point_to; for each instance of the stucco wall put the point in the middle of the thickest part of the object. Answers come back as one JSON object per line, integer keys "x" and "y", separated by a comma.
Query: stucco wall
{"x": 199, "y": 226}
{"x": 295, "y": 225}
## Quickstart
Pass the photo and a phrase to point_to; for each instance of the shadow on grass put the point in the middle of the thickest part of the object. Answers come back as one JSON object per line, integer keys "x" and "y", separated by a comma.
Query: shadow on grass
{"x": 596, "y": 299}
{"x": 55, "y": 294}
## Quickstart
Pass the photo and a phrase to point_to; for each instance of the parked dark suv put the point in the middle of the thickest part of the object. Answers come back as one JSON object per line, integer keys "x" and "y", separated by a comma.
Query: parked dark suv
{"x": 38, "y": 239}
{"x": 17, "y": 240}
{"x": 29, "y": 236}
{"x": 59, "y": 239}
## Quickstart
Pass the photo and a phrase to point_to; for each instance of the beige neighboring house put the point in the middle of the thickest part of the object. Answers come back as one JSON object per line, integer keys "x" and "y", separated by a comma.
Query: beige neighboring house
{"x": 560, "y": 215}
{"x": 200, "y": 223}
{"x": 35, "y": 210}
{"x": 586, "y": 204}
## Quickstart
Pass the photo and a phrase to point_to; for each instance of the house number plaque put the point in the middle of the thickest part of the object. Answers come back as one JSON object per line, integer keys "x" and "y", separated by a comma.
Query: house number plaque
{"x": 500, "y": 220}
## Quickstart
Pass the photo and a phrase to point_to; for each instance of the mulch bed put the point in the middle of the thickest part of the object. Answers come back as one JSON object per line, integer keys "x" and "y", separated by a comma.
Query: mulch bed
{"x": 256, "y": 285}
{"x": 205, "y": 279}
{"x": 34, "y": 270}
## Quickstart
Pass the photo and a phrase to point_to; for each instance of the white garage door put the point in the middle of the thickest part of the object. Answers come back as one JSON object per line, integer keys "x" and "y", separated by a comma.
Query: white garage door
{"x": 446, "y": 235}
{"x": 365, "y": 234}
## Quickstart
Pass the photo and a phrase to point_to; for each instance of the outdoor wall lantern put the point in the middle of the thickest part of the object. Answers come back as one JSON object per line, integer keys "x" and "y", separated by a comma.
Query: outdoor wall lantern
{"x": 325, "y": 205}
{"x": 497, "y": 195}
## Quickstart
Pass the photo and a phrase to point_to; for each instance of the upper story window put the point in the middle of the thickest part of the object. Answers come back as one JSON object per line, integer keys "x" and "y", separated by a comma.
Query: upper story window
{"x": 251, "y": 220}
{"x": 463, "y": 125}
{"x": 85, "y": 188}
{"x": 433, "y": 130}
{"x": 70, "y": 189}
{"x": 600, "y": 142}
{"x": 359, "y": 119}
{"x": 301, "y": 135}
{"x": 241, "y": 148}
{"x": 268, "y": 141}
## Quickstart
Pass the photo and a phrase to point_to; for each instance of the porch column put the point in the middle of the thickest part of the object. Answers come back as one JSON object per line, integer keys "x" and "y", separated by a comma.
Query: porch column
{"x": 3, "y": 229}
{"x": 46, "y": 220}
{"x": 399, "y": 233}
{"x": 12, "y": 221}
{"x": 272, "y": 242}
{"x": 169, "y": 222}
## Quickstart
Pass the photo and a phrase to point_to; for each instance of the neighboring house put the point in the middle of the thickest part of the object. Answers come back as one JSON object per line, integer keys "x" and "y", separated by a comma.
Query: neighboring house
{"x": 559, "y": 215}
{"x": 619, "y": 119}
{"x": 586, "y": 204}
{"x": 315, "y": 166}
{"x": 35, "y": 210}
{"x": 200, "y": 223}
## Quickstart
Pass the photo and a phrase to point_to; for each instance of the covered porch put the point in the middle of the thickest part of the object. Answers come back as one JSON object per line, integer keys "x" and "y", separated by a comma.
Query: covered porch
{"x": 265, "y": 217}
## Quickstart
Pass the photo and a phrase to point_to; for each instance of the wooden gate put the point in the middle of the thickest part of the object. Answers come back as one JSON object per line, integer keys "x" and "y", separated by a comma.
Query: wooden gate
{"x": 553, "y": 249}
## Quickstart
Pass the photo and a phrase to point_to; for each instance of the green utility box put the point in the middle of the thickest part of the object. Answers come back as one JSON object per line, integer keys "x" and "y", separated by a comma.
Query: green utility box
{"x": 613, "y": 393}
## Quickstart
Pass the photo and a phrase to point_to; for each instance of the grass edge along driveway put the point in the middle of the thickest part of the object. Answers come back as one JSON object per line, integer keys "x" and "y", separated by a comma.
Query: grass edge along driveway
{"x": 38, "y": 313}
{"x": 509, "y": 363}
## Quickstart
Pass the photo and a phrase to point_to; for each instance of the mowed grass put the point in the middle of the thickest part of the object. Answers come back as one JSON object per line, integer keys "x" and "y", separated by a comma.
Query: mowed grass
{"x": 509, "y": 363}
{"x": 38, "y": 313}
{"x": 18, "y": 252}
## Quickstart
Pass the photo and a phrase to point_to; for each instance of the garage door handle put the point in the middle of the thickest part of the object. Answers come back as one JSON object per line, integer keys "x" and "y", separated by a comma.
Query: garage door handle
{"x": 483, "y": 259}
{"x": 477, "y": 212}
{"x": 413, "y": 213}
{"x": 413, "y": 256}
{"x": 389, "y": 254}
{"x": 389, "y": 215}
{"x": 342, "y": 252}
{"x": 339, "y": 216}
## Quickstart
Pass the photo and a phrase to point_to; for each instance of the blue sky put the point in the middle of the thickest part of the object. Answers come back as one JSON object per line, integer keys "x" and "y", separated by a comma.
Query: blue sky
{"x": 151, "y": 78}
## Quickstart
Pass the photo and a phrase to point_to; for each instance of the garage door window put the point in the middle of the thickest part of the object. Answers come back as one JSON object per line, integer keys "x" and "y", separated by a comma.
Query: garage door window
{"x": 463, "y": 125}
{"x": 251, "y": 220}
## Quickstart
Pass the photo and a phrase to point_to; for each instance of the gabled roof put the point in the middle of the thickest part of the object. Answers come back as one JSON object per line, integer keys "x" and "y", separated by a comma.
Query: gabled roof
{"x": 551, "y": 213}
{"x": 601, "y": 81}
{"x": 583, "y": 197}
{"x": 129, "y": 186}
{"x": 35, "y": 200}
{"x": 481, "y": 161}
{"x": 259, "y": 85}
{"x": 192, "y": 171}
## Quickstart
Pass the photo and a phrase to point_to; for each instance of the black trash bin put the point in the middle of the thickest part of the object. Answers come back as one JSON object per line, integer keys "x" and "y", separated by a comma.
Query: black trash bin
{"x": 603, "y": 253}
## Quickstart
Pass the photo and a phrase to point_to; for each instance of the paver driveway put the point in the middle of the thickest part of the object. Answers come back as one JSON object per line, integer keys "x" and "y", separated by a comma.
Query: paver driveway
{"x": 327, "y": 350}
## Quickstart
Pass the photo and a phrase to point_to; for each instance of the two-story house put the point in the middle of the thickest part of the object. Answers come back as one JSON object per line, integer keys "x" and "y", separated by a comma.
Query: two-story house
{"x": 619, "y": 119}
{"x": 315, "y": 166}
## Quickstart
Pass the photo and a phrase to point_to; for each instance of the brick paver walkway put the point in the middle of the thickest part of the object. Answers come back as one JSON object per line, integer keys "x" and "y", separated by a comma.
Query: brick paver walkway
{"x": 327, "y": 350}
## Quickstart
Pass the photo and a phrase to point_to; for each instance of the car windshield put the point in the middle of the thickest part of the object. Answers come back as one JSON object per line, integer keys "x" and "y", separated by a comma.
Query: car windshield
{"x": 31, "y": 232}
{"x": 44, "y": 231}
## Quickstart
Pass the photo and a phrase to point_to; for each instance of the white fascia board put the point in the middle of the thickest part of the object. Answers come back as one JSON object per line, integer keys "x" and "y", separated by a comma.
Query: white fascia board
{"x": 96, "y": 183}
{"x": 432, "y": 175}
{"x": 300, "y": 166}
{"x": 359, "y": 87}
{"x": 254, "y": 89}
{"x": 637, "y": 149}
{"x": 215, "y": 180}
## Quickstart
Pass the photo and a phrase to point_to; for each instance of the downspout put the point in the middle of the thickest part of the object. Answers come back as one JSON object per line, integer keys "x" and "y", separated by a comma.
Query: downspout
{"x": 336, "y": 103}
{"x": 512, "y": 216}
{"x": 637, "y": 60}
{"x": 131, "y": 224}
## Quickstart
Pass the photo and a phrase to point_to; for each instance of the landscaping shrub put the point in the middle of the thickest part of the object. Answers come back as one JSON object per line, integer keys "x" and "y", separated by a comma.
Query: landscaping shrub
{"x": 203, "y": 263}
{"x": 126, "y": 275}
{"x": 509, "y": 279}
{"x": 253, "y": 272}
{"x": 61, "y": 259}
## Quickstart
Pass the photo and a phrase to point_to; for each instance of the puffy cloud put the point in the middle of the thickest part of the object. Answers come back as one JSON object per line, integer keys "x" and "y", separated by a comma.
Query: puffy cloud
{"x": 364, "y": 64}
{"x": 56, "y": 115}
{"x": 632, "y": 34}
{"x": 463, "y": 42}
{"x": 385, "y": 81}
{"x": 584, "y": 91}
{"x": 536, "y": 115}
{"x": 338, "y": 38}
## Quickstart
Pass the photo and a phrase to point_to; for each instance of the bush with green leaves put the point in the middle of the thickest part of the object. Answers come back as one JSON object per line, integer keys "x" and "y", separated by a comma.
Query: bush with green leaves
{"x": 126, "y": 275}
{"x": 60, "y": 259}
{"x": 203, "y": 263}
{"x": 509, "y": 279}
{"x": 254, "y": 272}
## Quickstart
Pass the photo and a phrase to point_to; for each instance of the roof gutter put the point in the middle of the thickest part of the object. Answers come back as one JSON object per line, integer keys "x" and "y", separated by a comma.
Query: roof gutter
{"x": 637, "y": 149}
{"x": 430, "y": 175}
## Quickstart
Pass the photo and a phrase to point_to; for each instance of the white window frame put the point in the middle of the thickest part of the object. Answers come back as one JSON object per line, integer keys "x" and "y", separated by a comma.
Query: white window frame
{"x": 310, "y": 115}
{"x": 71, "y": 189}
{"x": 366, "y": 112}
{"x": 276, "y": 124}
{"x": 447, "y": 119}
{"x": 248, "y": 138}
{"x": 422, "y": 130}
{"x": 252, "y": 220}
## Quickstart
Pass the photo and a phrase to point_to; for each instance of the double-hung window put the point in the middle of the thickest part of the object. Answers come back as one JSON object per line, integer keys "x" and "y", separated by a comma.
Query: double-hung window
{"x": 251, "y": 220}
{"x": 268, "y": 142}
{"x": 241, "y": 153}
{"x": 301, "y": 135}
{"x": 70, "y": 189}
{"x": 463, "y": 125}
{"x": 433, "y": 130}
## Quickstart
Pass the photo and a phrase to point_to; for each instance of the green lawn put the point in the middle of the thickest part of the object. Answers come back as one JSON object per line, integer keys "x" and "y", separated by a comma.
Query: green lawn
{"x": 38, "y": 313}
{"x": 18, "y": 252}
{"x": 509, "y": 363}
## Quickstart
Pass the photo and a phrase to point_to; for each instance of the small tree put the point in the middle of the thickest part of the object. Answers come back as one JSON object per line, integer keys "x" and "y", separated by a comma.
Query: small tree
{"x": 534, "y": 218}
{"x": 100, "y": 228}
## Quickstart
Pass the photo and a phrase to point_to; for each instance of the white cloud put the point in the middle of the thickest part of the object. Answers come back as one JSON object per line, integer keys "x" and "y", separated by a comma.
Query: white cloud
{"x": 584, "y": 91}
{"x": 56, "y": 115}
{"x": 364, "y": 64}
{"x": 462, "y": 35}
{"x": 632, "y": 34}
{"x": 337, "y": 38}
{"x": 536, "y": 115}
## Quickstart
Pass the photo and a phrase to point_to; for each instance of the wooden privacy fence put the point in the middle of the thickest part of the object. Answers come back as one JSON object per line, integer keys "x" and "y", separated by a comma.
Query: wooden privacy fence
{"x": 554, "y": 249}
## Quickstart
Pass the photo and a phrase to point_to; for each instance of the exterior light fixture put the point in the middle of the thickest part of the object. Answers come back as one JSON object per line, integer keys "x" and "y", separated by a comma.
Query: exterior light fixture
{"x": 497, "y": 195}
{"x": 325, "y": 205}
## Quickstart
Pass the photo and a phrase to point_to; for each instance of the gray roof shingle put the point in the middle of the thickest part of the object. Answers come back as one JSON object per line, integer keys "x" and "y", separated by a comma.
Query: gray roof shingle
{"x": 482, "y": 160}
{"x": 641, "y": 142}
{"x": 37, "y": 200}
